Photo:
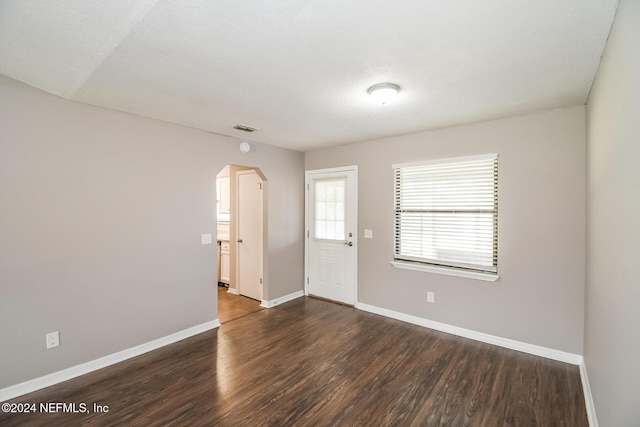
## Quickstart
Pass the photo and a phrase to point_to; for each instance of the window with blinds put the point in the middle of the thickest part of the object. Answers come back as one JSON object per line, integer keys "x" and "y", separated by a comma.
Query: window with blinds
{"x": 446, "y": 213}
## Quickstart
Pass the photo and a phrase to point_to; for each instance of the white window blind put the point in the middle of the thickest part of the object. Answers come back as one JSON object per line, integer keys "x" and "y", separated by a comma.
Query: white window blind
{"x": 446, "y": 213}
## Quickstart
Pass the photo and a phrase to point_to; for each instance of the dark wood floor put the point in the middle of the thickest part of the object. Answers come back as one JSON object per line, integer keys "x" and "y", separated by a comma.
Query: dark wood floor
{"x": 231, "y": 307}
{"x": 313, "y": 363}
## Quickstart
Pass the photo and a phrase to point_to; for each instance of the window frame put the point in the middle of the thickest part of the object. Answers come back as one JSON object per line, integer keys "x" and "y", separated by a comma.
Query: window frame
{"x": 475, "y": 271}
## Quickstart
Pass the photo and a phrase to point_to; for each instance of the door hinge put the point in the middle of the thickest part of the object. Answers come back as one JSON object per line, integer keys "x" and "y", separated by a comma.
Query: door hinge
{"x": 307, "y": 187}
{"x": 307, "y": 280}
{"x": 261, "y": 280}
{"x": 307, "y": 233}
{"x": 259, "y": 186}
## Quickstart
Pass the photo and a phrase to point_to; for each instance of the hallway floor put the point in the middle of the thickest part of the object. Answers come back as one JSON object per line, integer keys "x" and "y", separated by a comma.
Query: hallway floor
{"x": 231, "y": 307}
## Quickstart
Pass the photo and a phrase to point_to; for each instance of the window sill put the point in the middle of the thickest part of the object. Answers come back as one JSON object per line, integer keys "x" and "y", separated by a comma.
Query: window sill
{"x": 487, "y": 277}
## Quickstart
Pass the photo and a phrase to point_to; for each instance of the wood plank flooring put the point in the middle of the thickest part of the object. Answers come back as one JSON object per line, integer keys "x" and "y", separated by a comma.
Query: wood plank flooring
{"x": 313, "y": 363}
{"x": 231, "y": 307}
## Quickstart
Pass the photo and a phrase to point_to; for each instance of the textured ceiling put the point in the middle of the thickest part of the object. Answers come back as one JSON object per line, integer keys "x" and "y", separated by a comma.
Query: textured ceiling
{"x": 299, "y": 70}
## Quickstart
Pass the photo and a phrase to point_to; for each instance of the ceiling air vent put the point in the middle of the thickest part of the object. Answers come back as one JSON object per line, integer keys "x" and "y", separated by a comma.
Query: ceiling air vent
{"x": 244, "y": 128}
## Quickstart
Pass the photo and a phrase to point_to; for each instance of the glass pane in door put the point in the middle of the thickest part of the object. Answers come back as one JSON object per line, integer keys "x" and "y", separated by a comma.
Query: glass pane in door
{"x": 330, "y": 208}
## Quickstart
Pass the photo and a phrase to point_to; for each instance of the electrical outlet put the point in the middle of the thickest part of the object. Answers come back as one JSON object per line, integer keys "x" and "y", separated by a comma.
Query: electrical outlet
{"x": 53, "y": 339}
{"x": 431, "y": 297}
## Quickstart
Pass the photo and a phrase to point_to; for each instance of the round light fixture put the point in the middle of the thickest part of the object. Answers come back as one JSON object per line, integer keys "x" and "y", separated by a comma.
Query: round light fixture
{"x": 245, "y": 147}
{"x": 384, "y": 93}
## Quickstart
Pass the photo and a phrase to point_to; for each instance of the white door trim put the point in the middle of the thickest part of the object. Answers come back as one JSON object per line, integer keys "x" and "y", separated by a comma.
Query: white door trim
{"x": 307, "y": 174}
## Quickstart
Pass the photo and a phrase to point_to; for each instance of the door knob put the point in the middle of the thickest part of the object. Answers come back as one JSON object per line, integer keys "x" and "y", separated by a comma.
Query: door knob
{"x": 348, "y": 243}
{"x": 239, "y": 240}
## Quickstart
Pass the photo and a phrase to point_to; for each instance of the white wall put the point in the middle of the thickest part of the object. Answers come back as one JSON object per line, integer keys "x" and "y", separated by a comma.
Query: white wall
{"x": 101, "y": 214}
{"x": 539, "y": 298}
{"x": 612, "y": 320}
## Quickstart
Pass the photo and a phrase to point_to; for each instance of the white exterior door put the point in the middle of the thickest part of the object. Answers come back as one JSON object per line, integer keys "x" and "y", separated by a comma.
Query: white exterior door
{"x": 331, "y": 225}
{"x": 250, "y": 228}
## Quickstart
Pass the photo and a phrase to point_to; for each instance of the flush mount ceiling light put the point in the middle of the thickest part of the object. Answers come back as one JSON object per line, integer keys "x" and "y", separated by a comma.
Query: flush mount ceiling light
{"x": 383, "y": 93}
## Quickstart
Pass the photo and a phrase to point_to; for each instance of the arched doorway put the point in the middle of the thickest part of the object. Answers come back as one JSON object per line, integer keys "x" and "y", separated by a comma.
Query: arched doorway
{"x": 242, "y": 237}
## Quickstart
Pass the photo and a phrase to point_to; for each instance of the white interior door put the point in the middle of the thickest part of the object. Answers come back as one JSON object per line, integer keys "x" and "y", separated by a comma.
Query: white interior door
{"x": 250, "y": 234}
{"x": 332, "y": 244}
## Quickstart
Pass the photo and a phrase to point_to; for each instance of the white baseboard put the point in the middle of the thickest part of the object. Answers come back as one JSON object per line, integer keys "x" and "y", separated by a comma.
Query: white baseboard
{"x": 574, "y": 359}
{"x": 84, "y": 368}
{"x": 281, "y": 300}
{"x": 588, "y": 397}
{"x": 233, "y": 291}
